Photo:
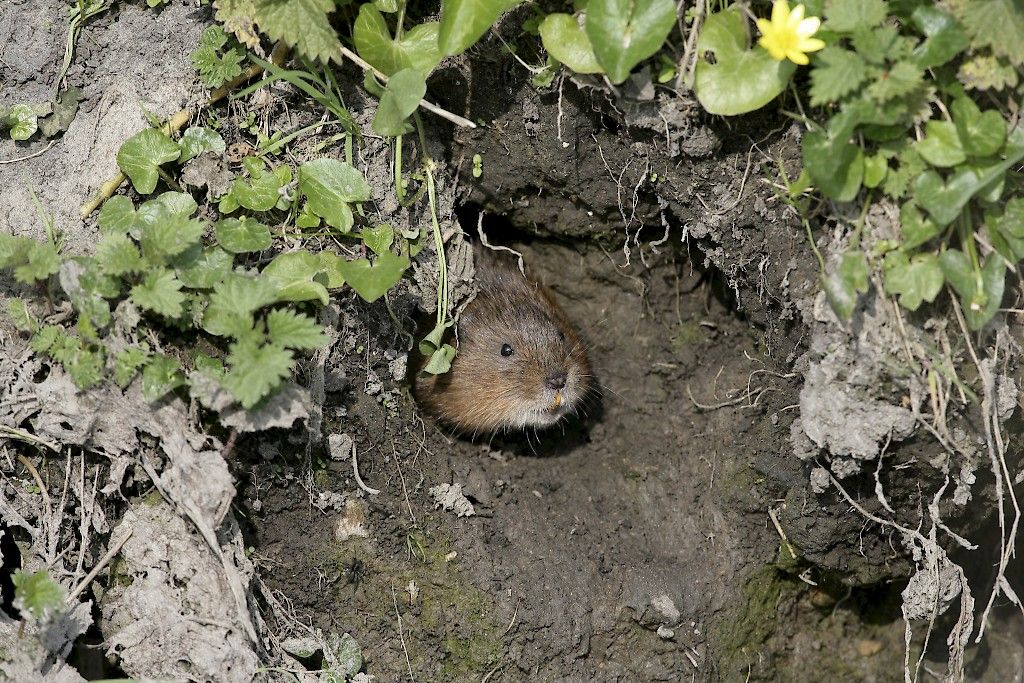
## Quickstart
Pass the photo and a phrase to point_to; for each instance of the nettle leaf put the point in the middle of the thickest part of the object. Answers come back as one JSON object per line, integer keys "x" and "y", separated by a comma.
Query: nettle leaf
{"x": 37, "y": 593}
{"x": 159, "y": 292}
{"x": 901, "y": 79}
{"x": 42, "y": 262}
{"x": 21, "y": 121}
{"x": 846, "y": 16}
{"x": 997, "y": 24}
{"x": 566, "y": 41}
{"x": 849, "y": 279}
{"x": 234, "y": 300}
{"x": 161, "y": 375}
{"x": 256, "y": 370}
{"x": 117, "y": 215}
{"x": 197, "y": 140}
{"x": 170, "y": 236}
{"x": 302, "y": 24}
{"x": 464, "y": 21}
{"x": 328, "y": 186}
{"x": 980, "y": 293}
{"x": 215, "y": 68}
{"x": 242, "y": 235}
{"x": 916, "y": 280}
{"x": 298, "y": 277}
{"x": 400, "y": 99}
{"x": 200, "y": 268}
{"x": 982, "y": 134}
{"x": 372, "y": 280}
{"x": 418, "y": 49}
{"x": 914, "y": 227}
{"x": 623, "y": 33}
{"x": 127, "y": 364}
{"x": 941, "y": 146}
{"x": 945, "y": 38}
{"x": 740, "y": 79}
{"x": 292, "y": 330}
{"x": 837, "y": 72}
{"x": 142, "y": 154}
{"x": 46, "y": 338}
{"x": 117, "y": 254}
{"x": 985, "y": 72}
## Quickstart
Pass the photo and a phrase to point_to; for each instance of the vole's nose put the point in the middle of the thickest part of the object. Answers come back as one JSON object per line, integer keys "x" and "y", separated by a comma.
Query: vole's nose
{"x": 556, "y": 380}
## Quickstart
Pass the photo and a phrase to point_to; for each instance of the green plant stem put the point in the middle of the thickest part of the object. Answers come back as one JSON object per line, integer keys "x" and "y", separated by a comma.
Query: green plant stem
{"x": 442, "y": 261}
{"x": 814, "y": 247}
{"x": 967, "y": 241}
{"x": 859, "y": 229}
{"x": 400, "y": 21}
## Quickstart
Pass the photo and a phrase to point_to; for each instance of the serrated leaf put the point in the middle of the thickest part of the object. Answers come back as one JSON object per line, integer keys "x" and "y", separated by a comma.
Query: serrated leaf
{"x": 418, "y": 48}
{"x": 117, "y": 215}
{"x": 739, "y": 80}
{"x": 837, "y": 72}
{"x": 242, "y": 235}
{"x": 198, "y": 140}
{"x": 875, "y": 44}
{"x": 981, "y": 133}
{"x": 464, "y": 21}
{"x": 292, "y": 330}
{"x": 401, "y": 98}
{"x": 161, "y": 375}
{"x": 302, "y": 24}
{"x": 47, "y": 337}
{"x": 42, "y": 261}
{"x": 298, "y": 277}
{"x": 372, "y": 280}
{"x": 328, "y": 186}
{"x": 233, "y": 302}
{"x": 117, "y": 254}
{"x": 215, "y": 68}
{"x": 901, "y": 79}
{"x": 159, "y": 292}
{"x": 142, "y": 154}
{"x": 200, "y": 268}
{"x": 256, "y": 370}
{"x": 20, "y": 315}
{"x": 623, "y": 33}
{"x": 941, "y": 145}
{"x": 238, "y": 17}
{"x": 21, "y": 122}
{"x": 846, "y": 16}
{"x": 566, "y": 41}
{"x": 849, "y": 279}
{"x": 169, "y": 237}
{"x": 127, "y": 364}
{"x": 997, "y": 24}
{"x": 916, "y": 280}
{"x": 37, "y": 593}
{"x": 985, "y": 72}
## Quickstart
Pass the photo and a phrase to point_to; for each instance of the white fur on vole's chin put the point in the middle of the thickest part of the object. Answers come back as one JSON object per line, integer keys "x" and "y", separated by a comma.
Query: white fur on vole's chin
{"x": 548, "y": 410}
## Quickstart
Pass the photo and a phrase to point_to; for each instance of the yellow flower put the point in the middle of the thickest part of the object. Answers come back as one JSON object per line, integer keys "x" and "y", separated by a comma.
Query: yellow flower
{"x": 788, "y": 34}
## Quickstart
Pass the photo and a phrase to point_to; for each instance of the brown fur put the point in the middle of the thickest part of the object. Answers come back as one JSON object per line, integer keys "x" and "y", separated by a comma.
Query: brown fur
{"x": 485, "y": 391}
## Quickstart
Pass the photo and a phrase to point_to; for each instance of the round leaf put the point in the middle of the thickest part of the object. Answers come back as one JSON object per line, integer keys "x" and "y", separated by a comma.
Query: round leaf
{"x": 464, "y": 21}
{"x": 400, "y": 99}
{"x": 328, "y": 185}
{"x": 22, "y": 122}
{"x": 623, "y": 33}
{"x": 567, "y": 42}
{"x": 241, "y": 235}
{"x": 418, "y": 48}
{"x": 142, "y": 154}
{"x": 293, "y": 273}
{"x": 197, "y": 140}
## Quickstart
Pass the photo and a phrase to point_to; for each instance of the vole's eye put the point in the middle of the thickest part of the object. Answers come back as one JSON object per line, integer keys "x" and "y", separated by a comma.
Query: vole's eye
{"x": 506, "y": 350}
{"x": 561, "y": 336}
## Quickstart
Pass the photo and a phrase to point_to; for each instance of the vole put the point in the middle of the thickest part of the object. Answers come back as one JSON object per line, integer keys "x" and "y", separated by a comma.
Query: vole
{"x": 520, "y": 362}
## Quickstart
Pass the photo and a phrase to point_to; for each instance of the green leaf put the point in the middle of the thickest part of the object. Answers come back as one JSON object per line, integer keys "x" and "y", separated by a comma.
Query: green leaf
{"x": 623, "y": 33}
{"x": 329, "y": 185}
{"x": 945, "y": 38}
{"x": 849, "y": 279}
{"x": 298, "y": 277}
{"x": 292, "y": 330}
{"x": 440, "y": 360}
{"x": 982, "y": 134}
{"x": 902, "y": 79}
{"x": 21, "y": 121}
{"x": 200, "y": 268}
{"x": 37, "y": 593}
{"x": 197, "y": 140}
{"x": 379, "y": 239}
{"x": 117, "y": 215}
{"x": 915, "y": 228}
{"x": 876, "y": 44}
{"x": 400, "y": 99}
{"x": 302, "y": 24}
{"x": 985, "y": 72}
{"x": 740, "y": 80}
{"x": 876, "y": 167}
{"x": 464, "y": 21}
{"x": 980, "y": 293}
{"x": 997, "y": 24}
{"x": 19, "y": 313}
{"x": 233, "y": 302}
{"x": 142, "y": 154}
{"x": 117, "y": 254}
{"x": 566, "y": 41}
{"x": 916, "y": 280}
{"x": 216, "y": 68}
{"x": 941, "y": 145}
{"x": 170, "y": 236}
{"x": 47, "y": 337}
{"x": 242, "y": 235}
{"x": 837, "y": 168}
{"x": 42, "y": 262}
{"x": 418, "y": 48}
{"x": 837, "y": 72}
{"x": 261, "y": 193}
{"x": 372, "y": 280}
{"x": 388, "y": 6}
{"x": 846, "y": 16}
{"x": 167, "y": 204}
{"x": 161, "y": 375}
{"x": 256, "y": 370}
{"x": 329, "y": 266}
{"x": 1012, "y": 220}
{"x": 159, "y": 292}
{"x": 127, "y": 364}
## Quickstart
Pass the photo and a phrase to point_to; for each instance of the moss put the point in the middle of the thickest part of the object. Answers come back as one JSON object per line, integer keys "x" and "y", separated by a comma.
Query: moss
{"x": 686, "y": 334}
{"x": 738, "y": 633}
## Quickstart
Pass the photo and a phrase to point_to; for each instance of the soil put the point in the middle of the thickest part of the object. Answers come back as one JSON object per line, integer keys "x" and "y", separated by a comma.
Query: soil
{"x": 669, "y": 532}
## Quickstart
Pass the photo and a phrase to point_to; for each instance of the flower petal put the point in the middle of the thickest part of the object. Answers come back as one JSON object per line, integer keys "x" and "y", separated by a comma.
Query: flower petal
{"x": 797, "y": 57}
{"x": 808, "y": 27}
{"x": 780, "y": 12}
{"x": 796, "y": 16}
{"x": 810, "y": 44}
{"x": 764, "y": 26}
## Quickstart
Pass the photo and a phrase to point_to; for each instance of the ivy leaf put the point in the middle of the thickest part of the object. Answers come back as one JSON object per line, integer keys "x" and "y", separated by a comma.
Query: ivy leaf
{"x": 846, "y": 16}
{"x": 328, "y": 186}
{"x": 161, "y": 375}
{"x": 914, "y": 227}
{"x": 901, "y": 79}
{"x": 440, "y": 361}
{"x": 400, "y": 99}
{"x": 331, "y": 268}
{"x": 876, "y": 167}
{"x": 623, "y": 33}
{"x": 302, "y": 24}
{"x": 916, "y": 280}
{"x": 242, "y": 235}
{"x": 980, "y": 293}
{"x": 197, "y": 140}
{"x": 176, "y": 204}
{"x": 379, "y": 239}
{"x": 297, "y": 276}
{"x": 566, "y": 41}
{"x": 127, "y": 364}
{"x": 117, "y": 215}
{"x": 142, "y": 154}
{"x": 256, "y": 370}
{"x": 372, "y": 280}
{"x": 464, "y": 21}
{"x": 837, "y": 72}
{"x": 170, "y": 236}
{"x": 944, "y": 40}
{"x": 37, "y": 593}
{"x": 200, "y": 268}
{"x": 159, "y": 292}
{"x": 849, "y": 280}
{"x": 21, "y": 121}
{"x": 982, "y": 134}
{"x": 837, "y": 168}
{"x": 1012, "y": 220}
{"x": 117, "y": 254}
{"x": 289, "y": 329}
{"x": 740, "y": 79}
{"x": 941, "y": 145}
{"x": 418, "y": 49}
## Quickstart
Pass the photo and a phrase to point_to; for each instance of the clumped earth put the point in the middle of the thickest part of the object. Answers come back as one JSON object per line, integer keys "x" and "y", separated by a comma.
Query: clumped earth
{"x": 684, "y": 527}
